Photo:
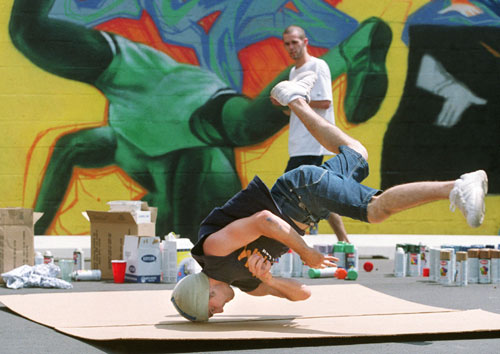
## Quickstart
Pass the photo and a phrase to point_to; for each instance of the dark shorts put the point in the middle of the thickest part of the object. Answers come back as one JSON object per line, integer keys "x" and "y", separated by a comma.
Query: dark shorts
{"x": 310, "y": 193}
{"x": 297, "y": 161}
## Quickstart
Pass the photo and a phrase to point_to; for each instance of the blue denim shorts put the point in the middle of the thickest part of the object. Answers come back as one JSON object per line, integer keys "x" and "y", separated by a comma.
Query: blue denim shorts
{"x": 309, "y": 193}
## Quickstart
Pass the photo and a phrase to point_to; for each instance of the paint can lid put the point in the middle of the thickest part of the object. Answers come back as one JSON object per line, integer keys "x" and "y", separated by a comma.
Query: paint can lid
{"x": 339, "y": 247}
{"x": 340, "y": 273}
{"x": 445, "y": 255}
{"x": 352, "y": 274}
{"x": 495, "y": 253}
{"x": 484, "y": 253}
{"x": 349, "y": 248}
{"x": 473, "y": 252}
{"x": 313, "y": 273}
{"x": 461, "y": 256}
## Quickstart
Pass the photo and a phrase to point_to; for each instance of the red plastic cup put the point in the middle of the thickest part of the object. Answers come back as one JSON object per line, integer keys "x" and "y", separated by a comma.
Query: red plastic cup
{"x": 425, "y": 272}
{"x": 119, "y": 267}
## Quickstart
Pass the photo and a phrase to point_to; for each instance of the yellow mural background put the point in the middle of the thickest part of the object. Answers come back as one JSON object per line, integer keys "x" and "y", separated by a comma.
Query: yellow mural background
{"x": 37, "y": 107}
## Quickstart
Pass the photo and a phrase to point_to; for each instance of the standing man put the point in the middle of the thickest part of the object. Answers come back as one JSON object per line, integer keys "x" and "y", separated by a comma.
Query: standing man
{"x": 303, "y": 148}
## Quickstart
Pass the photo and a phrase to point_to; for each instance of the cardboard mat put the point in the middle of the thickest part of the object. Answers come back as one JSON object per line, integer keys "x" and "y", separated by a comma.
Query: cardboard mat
{"x": 349, "y": 310}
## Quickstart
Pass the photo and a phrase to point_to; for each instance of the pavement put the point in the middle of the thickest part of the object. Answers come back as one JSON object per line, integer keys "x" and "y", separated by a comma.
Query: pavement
{"x": 20, "y": 335}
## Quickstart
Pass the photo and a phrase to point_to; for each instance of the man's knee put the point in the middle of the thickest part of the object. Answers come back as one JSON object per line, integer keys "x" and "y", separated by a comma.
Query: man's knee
{"x": 376, "y": 213}
{"x": 359, "y": 148}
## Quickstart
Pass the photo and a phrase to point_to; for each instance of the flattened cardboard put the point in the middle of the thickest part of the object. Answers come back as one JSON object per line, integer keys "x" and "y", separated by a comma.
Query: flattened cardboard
{"x": 17, "y": 237}
{"x": 154, "y": 307}
{"x": 349, "y": 310}
{"x": 107, "y": 233}
{"x": 389, "y": 326}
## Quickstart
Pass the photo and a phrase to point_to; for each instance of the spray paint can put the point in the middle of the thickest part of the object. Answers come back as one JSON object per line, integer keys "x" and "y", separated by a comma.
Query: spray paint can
{"x": 413, "y": 260}
{"x": 169, "y": 259}
{"x": 86, "y": 274}
{"x": 495, "y": 266}
{"x": 484, "y": 266}
{"x": 78, "y": 259}
{"x": 38, "y": 258}
{"x": 350, "y": 257}
{"x": 445, "y": 267}
{"x": 324, "y": 248}
{"x": 424, "y": 258}
{"x": 339, "y": 252}
{"x": 305, "y": 271}
{"x": 276, "y": 268}
{"x": 403, "y": 247}
{"x": 473, "y": 260}
{"x": 48, "y": 257}
{"x": 287, "y": 264}
{"x": 461, "y": 266}
{"x": 400, "y": 263}
{"x": 296, "y": 265}
{"x": 453, "y": 269}
{"x": 328, "y": 272}
{"x": 434, "y": 254}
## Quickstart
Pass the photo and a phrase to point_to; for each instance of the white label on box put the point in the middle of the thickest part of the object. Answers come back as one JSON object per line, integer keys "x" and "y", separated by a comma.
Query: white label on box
{"x": 142, "y": 216}
{"x": 143, "y": 257}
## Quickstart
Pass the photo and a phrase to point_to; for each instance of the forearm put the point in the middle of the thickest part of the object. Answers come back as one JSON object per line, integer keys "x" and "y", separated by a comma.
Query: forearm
{"x": 328, "y": 135}
{"x": 243, "y": 231}
{"x": 279, "y": 230}
{"x": 282, "y": 287}
{"x": 288, "y": 288}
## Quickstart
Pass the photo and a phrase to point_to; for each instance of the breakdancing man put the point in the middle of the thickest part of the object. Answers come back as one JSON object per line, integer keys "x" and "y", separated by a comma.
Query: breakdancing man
{"x": 239, "y": 241}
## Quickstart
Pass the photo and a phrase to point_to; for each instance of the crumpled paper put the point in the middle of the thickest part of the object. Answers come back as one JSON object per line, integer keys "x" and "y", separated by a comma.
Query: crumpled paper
{"x": 38, "y": 276}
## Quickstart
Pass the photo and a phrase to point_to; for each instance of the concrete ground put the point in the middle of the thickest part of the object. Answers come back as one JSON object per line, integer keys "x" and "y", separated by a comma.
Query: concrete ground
{"x": 20, "y": 335}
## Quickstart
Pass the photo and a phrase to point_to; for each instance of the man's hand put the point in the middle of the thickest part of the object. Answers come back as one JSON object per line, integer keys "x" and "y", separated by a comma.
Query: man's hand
{"x": 318, "y": 260}
{"x": 259, "y": 267}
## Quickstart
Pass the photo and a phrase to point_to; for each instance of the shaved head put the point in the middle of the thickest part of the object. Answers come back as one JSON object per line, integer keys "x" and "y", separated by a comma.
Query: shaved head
{"x": 293, "y": 28}
{"x": 295, "y": 41}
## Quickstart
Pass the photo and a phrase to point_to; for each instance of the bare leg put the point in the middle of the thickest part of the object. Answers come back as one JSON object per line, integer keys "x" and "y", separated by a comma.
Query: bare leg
{"x": 338, "y": 227}
{"x": 330, "y": 136}
{"x": 406, "y": 196}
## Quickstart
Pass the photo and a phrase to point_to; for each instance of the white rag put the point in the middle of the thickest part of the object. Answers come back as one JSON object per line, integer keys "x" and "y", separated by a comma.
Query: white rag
{"x": 40, "y": 275}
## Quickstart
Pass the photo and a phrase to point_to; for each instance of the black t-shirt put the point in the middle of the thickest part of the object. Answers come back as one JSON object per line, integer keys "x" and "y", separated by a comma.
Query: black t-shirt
{"x": 232, "y": 268}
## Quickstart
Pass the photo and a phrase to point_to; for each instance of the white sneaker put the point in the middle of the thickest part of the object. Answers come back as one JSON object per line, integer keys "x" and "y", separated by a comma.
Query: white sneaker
{"x": 300, "y": 87}
{"x": 468, "y": 195}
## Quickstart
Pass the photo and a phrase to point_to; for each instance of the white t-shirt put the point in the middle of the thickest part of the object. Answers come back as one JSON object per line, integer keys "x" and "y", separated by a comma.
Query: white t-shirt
{"x": 300, "y": 141}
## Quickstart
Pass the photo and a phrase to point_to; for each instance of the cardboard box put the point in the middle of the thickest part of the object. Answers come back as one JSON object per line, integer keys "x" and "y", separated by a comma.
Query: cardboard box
{"x": 141, "y": 214}
{"x": 107, "y": 233}
{"x": 17, "y": 237}
{"x": 143, "y": 257}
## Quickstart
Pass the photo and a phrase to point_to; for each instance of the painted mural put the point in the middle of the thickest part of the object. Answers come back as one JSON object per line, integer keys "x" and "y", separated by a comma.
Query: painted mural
{"x": 168, "y": 101}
